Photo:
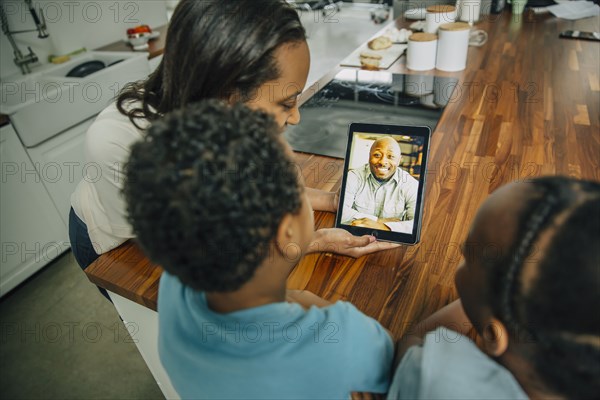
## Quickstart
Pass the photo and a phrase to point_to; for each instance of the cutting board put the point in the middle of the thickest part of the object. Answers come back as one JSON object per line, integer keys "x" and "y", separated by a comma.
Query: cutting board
{"x": 388, "y": 56}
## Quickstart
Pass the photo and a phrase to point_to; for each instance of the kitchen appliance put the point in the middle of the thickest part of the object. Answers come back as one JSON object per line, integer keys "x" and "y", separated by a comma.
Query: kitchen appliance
{"x": 368, "y": 97}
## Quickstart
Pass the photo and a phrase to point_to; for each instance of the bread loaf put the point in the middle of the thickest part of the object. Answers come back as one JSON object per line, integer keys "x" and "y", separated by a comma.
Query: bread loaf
{"x": 380, "y": 43}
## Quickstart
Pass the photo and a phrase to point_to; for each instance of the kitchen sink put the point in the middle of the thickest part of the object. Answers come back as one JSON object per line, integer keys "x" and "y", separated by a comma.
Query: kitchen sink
{"x": 47, "y": 102}
{"x": 106, "y": 58}
{"x": 18, "y": 93}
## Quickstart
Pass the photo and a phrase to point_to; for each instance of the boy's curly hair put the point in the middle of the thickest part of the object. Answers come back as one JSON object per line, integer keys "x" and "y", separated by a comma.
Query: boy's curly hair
{"x": 206, "y": 189}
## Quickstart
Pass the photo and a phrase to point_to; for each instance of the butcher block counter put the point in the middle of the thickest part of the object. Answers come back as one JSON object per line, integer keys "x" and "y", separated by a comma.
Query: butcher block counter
{"x": 527, "y": 105}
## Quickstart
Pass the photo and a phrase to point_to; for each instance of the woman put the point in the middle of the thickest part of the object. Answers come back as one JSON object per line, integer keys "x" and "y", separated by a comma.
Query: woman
{"x": 249, "y": 51}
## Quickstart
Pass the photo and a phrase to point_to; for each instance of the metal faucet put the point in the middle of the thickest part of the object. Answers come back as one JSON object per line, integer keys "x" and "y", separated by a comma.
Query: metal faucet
{"x": 21, "y": 60}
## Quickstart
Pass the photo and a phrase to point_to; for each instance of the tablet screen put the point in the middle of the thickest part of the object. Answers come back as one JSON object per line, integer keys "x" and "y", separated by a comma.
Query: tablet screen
{"x": 384, "y": 181}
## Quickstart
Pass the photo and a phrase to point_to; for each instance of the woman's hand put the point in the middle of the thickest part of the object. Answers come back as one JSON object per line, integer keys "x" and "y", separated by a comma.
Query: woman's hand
{"x": 336, "y": 240}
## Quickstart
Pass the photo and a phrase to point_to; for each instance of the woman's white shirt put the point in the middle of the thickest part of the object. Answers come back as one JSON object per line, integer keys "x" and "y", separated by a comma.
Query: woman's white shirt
{"x": 98, "y": 200}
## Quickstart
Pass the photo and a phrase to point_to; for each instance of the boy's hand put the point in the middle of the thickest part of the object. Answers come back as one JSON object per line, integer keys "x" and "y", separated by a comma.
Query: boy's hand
{"x": 336, "y": 240}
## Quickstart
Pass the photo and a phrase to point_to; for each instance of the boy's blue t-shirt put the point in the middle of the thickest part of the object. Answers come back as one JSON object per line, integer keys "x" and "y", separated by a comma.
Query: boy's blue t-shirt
{"x": 450, "y": 366}
{"x": 278, "y": 350}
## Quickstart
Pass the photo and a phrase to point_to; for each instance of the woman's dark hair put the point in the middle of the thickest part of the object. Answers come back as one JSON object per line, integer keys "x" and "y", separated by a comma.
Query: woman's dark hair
{"x": 214, "y": 49}
{"x": 546, "y": 288}
{"x": 206, "y": 189}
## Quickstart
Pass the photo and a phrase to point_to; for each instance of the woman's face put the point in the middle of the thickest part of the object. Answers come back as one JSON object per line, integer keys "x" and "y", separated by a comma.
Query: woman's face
{"x": 280, "y": 97}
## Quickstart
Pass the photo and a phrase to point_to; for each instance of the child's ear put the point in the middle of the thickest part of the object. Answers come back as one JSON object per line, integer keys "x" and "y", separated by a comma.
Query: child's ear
{"x": 495, "y": 338}
{"x": 285, "y": 234}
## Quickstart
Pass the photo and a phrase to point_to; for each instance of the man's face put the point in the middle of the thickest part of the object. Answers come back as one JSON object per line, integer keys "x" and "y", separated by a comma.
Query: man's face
{"x": 384, "y": 158}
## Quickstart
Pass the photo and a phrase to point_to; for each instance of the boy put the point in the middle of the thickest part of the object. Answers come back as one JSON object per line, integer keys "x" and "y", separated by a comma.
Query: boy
{"x": 214, "y": 198}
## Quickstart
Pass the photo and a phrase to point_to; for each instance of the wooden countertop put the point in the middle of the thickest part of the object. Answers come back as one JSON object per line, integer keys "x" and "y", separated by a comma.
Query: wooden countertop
{"x": 529, "y": 105}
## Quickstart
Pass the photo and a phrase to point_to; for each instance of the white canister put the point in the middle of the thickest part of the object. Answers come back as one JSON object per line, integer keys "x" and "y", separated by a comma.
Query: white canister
{"x": 438, "y": 15}
{"x": 469, "y": 10}
{"x": 418, "y": 85}
{"x": 453, "y": 44}
{"x": 420, "y": 55}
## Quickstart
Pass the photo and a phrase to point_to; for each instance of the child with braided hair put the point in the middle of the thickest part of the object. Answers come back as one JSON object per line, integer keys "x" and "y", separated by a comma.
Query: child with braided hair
{"x": 528, "y": 284}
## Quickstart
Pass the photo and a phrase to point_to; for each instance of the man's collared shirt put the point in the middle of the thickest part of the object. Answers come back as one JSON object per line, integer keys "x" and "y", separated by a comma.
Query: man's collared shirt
{"x": 366, "y": 197}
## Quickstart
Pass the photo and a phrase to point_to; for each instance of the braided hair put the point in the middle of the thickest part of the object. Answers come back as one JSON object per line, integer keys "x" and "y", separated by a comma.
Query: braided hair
{"x": 558, "y": 250}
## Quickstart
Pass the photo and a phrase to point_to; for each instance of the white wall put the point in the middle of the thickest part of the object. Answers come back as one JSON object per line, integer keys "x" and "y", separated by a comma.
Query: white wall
{"x": 74, "y": 24}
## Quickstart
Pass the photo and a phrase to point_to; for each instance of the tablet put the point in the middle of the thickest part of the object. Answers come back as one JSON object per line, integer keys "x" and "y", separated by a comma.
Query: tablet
{"x": 384, "y": 181}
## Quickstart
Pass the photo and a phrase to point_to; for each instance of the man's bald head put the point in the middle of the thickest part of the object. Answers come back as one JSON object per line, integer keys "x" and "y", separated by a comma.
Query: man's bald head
{"x": 384, "y": 158}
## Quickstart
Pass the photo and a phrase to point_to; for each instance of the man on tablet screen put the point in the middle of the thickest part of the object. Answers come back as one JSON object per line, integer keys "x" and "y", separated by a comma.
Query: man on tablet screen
{"x": 380, "y": 195}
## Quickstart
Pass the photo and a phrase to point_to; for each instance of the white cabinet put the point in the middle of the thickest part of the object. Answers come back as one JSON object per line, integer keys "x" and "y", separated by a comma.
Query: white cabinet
{"x": 142, "y": 325}
{"x": 37, "y": 181}
{"x": 60, "y": 162}
{"x": 31, "y": 227}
